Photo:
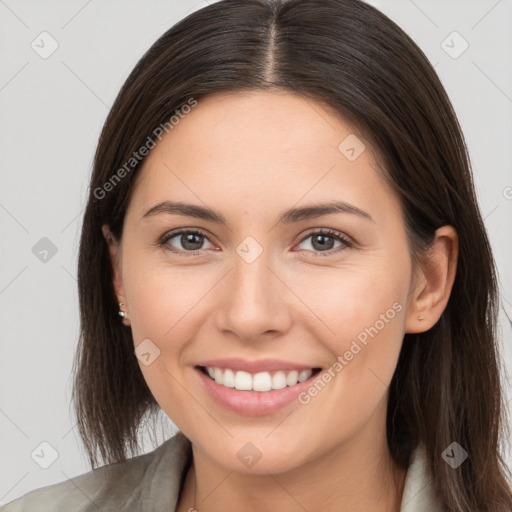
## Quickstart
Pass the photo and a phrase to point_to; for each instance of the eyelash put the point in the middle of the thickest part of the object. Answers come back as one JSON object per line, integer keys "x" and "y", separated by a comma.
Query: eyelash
{"x": 346, "y": 242}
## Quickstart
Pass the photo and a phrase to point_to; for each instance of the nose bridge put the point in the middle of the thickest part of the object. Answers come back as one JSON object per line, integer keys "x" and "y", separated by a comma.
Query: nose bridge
{"x": 252, "y": 302}
{"x": 250, "y": 280}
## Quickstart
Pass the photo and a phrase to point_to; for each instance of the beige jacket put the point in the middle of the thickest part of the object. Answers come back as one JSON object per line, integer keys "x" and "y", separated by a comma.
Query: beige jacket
{"x": 150, "y": 483}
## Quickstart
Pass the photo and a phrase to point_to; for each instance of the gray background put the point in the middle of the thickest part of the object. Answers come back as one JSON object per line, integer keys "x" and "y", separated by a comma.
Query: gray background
{"x": 52, "y": 110}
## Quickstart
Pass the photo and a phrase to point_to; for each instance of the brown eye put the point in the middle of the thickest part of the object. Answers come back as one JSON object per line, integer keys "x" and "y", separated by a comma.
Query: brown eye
{"x": 185, "y": 241}
{"x": 323, "y": 241}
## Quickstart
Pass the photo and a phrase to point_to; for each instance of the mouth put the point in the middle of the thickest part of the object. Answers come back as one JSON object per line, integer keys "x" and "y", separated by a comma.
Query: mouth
{"x": 261, "y": 381}
{"x": 257, "y": 387}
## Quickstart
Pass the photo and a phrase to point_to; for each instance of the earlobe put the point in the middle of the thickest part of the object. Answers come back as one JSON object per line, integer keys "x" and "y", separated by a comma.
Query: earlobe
{"x": 113, "y": 247}
{"x": 433, "y": 287}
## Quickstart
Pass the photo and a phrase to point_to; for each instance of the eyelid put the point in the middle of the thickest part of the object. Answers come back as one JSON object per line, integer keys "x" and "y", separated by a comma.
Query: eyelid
{"x": 327, "y": 231}
{"x": 345, "y": 240}
{"x": 171, "y": 234}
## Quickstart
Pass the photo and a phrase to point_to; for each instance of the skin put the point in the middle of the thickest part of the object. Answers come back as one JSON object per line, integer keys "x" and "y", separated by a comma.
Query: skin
{"x": 251, "y": 156}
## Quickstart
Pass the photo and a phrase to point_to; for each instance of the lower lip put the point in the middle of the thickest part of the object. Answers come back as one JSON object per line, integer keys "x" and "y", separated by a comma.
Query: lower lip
{"x": 254, "y": 403}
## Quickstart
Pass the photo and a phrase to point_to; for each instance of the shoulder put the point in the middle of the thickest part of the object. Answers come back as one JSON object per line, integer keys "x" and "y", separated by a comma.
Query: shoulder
{"x": 146, "y": 482}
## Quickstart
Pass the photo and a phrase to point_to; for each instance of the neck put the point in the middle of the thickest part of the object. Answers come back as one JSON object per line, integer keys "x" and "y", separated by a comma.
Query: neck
{"x": 355, "y": 477}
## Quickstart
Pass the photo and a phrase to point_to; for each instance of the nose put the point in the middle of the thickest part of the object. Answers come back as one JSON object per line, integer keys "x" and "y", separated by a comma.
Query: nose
{"x": 253, "y": 302}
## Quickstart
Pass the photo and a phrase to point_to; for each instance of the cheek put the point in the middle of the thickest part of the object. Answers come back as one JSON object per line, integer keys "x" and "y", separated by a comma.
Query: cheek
{"x": 359, "y": 315}
{"x": 165, "y": 305}
{"x": 164, "y": 300}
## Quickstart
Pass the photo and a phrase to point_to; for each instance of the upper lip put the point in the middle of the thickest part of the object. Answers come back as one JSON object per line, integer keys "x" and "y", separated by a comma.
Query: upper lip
{"x": 260, "y": 365}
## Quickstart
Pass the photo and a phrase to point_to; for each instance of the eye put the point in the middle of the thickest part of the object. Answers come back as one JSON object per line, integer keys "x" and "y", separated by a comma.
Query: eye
{"x": 191, "y": 241}
{"x": 323, "y": 240}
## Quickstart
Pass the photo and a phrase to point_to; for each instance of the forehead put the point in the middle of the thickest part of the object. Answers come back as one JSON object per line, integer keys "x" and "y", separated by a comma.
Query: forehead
{"x": 264, "y": 125}
{"x": 260, "y": 149}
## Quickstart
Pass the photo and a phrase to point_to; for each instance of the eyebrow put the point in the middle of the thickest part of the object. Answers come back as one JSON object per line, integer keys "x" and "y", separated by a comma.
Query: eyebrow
{"x": 288, "y": 217}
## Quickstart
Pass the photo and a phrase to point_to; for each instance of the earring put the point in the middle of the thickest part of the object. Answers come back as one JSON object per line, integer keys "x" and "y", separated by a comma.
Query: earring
{"x": 121, "y": 312}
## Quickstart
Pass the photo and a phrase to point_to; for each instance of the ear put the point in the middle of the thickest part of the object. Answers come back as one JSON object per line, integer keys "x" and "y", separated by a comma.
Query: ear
{"x": 433, "y": 282}
{"x": 115, "y": 258}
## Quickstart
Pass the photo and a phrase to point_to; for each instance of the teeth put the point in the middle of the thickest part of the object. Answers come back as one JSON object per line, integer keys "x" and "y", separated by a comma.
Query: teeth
{"x": 228, "y": 379}
{"x": 243, "y": 381}
{"x": 292, "y": 378}
{"x": 279, "y": 380}
{"x": 262, "y": 381}
{"x": 304, "y": 375}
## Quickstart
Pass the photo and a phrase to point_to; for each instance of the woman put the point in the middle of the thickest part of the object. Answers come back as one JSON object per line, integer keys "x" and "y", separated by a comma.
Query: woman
{"x": 282, "y": 250}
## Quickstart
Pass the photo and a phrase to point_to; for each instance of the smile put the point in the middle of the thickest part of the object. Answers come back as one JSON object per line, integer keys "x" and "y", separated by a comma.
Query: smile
{"x": 261, "y": 381}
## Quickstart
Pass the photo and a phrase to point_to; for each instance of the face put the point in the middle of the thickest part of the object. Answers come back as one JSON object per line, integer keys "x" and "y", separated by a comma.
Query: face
{"x": 328, "y": 290}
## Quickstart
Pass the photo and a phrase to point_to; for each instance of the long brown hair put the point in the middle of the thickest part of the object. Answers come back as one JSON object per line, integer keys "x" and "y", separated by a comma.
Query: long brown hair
{"x": 348, "y": 55}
